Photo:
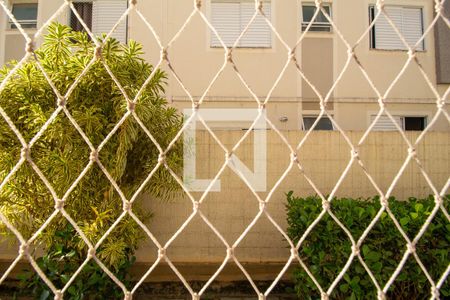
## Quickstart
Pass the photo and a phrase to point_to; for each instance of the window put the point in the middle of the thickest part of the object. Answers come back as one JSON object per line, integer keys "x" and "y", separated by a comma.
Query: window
{"x": 84, "y": 9}
{"x": 408, "y": 20}
{"x": 25, "y": 14}
{"x": 320, "y": 23}
{"x": 231, "y": 17}
{"x": 323, "y": 124}
{"x": 100, "y": 16}
{"x": 407, "y": 123}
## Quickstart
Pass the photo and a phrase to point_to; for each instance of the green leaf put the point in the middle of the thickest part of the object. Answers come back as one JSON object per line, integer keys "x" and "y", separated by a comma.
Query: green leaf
{"x": 404, "y": 221}
{"x": 44, "y": 295}
{"x": 414, "y": 215}
{"x": 344, "y": 287}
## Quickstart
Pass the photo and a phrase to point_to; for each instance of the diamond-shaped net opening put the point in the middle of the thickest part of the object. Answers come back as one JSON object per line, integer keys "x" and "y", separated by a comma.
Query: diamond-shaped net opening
{"x": 54, "y": 110}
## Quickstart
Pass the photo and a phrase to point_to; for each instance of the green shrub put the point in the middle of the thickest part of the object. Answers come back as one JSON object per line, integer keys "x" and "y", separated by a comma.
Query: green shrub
{"x": 327, "y": 248}
{"x": 97, "y": 105}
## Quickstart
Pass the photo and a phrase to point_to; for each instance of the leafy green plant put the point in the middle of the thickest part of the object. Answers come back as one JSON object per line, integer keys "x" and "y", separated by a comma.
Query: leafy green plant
{"x": 97, "y": 104}
{"x": 327, "y": 248}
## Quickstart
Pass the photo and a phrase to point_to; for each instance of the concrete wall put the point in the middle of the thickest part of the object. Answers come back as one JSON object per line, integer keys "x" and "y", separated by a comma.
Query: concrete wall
{"x": 324, "y": 157}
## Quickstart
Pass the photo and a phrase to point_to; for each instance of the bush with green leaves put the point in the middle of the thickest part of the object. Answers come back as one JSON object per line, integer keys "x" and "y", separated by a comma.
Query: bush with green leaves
{"x": 97, "y": 104}
{"x": 327, "y": 248}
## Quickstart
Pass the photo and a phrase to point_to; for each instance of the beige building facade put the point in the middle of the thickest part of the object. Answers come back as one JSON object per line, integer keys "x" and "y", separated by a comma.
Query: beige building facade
{"x": 321, "y": 55}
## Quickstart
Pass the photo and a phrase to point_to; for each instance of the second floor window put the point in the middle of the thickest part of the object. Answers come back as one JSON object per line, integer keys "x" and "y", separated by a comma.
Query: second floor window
{"x": 408, "y": 20}
{"x": 320, "y": 23}
{"x": 84, "y": 9}
{"x": 100, "y": 16}
{"x": 230, "y": 18}
{"x": 25, "y": 14}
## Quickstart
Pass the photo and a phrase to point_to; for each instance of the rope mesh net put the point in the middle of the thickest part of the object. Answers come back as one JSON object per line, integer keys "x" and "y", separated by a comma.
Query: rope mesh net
{"x": 291, "y": 59}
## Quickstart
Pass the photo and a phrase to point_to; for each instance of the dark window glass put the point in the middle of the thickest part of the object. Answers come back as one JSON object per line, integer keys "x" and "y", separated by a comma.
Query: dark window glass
{"x": 25, "y": 14}
{"x": 321, "y": 23}
{"x": 84, "y": 9}
{"x": 323, "y": 124}
{"x": 415, "y": 123}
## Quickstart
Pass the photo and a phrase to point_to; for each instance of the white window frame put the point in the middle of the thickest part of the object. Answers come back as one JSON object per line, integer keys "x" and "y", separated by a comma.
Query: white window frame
{"x": 401, "y": 119}
{"x": 316, "y": 24}
{"x": 25, "y": 22}
{"x": 214, "y": 43}
{"x": 372, "y": 38}
{"x": 93, "y": 19}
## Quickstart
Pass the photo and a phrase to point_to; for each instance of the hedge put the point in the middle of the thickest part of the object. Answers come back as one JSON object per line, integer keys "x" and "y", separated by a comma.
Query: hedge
{"x": 327, "y": 248}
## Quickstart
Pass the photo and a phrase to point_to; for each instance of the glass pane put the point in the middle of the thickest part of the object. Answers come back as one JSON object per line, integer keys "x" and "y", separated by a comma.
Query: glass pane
{"x": 25, "y": 12}
{"x": 308, "y": 13}
{"x": 414, "y": 123}
{"x": 324, "y": 123}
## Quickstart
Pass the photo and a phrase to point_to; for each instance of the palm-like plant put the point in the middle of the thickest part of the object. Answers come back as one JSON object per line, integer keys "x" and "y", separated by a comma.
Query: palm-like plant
{"x": 97, "y": 104}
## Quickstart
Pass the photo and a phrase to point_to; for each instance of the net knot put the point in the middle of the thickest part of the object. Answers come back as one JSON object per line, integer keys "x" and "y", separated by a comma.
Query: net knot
{"x": 131, "y": 106}
{"x": 381, "y": 295}
{"x": 412, "y": 152}
{"x": 262, "y": 106}
{"x": 440, "y": 103}
{"x": 294, "y": 157}
{"x": 262, "y": 205}
{"x": 195, "y": 106}
{"x": 94, "y": 155}
{"x": 230, "y": 253}
{"x": 196, "y": 206}
{"x": 411, "y": 53}
{"x": 294, "y": 253}
{"x": 384, "y": 202}
{"x": 229, "y": 55}
{"x": 127, "y": 206}
{"x": 91, "y": 253}
{"x": 58, "y": 295}
{"x": 195, "y": 296}
{"x": 228, "y": 155}
{"x": 261, "y": 296}
{"x": 259, "y": 6}
{"x": 62, "y": 101}
{"x": 133, "y": 3}
{"x": 411, "y": 248}
{"x": 381, "y": 103}
{"x": 354, "y": 153}
{"x": 59, "y": 204}
{"x": 291, "y": 54}
{"x": 435, "y": 292}
{"x": 350, "y": 52}
{"x": 164, "y": 54}
{"x": 162, "y": 158}
{"x": 128, "y": 296}
{"x": 318, "y": 3}
{"x": 439, "y": 7}
{"x": 326, "y": 205}
{"x": 98, "y": 52}
{"x": 24, "y": 248}
{"x": 29, "y": 47}
{"x": 355, "y": 249}
{"x": 380, "y": 4}
{"x": 161, "y": 252}
{"x": 25, "y": 152}
{"x": 438, "y": 200}
{"x": 198, "y": 4}
{"x": 324, "y": 296}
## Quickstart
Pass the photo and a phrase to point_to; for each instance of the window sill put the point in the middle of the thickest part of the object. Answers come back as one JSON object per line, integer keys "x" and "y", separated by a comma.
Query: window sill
{"x": 395, "y": 50}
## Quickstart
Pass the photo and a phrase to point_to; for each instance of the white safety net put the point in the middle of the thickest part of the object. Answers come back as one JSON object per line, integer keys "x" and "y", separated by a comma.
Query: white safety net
{"x": 291, "y": 59}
